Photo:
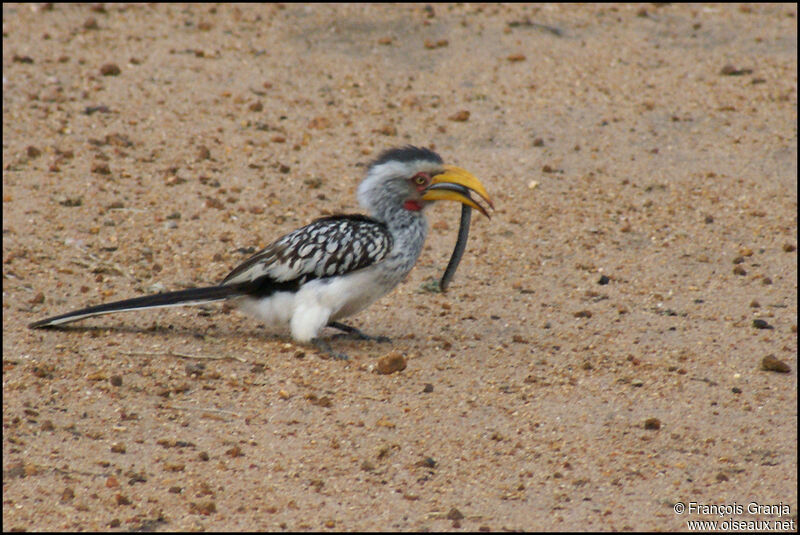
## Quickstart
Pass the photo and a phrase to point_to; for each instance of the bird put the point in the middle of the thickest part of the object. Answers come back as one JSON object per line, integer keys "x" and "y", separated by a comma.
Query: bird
{"x": 337, "y": 265}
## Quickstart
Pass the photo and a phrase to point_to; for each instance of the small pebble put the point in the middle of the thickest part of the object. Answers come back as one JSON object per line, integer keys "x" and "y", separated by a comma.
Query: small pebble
{"x": 761, "y": 324}
{"x": 110, "y": 69}
{"x": 67, "y": 494}
{"x": 319, "y": 123}
{"x": 772, "y": 364}
{"x": 101, "y": 169}
{"x": 367, "y": 466}
{"x": 603, "y": 280}
{"x": 204, "y": 508}
{"x": 14, "y": 470}
{"x": 436, "y": 44}
{"x": 652, "y": 424}
{"x": 428, "y": 388}
{"x": 428, "y": 462}
{"x": 388, "y": 130}
{"x": 383, "y": 422}
{"x": 89, "y": 110}
{"x": 324, "y": 401}
{"x": 393, "y": 362}
{"x": 118, "y": 140}
{"x": 195, "y": 369}
{"x": 455, "y": 514}
{"x": 116, "y": 380}
{"x": 731, "y": 70}
{"x": 235, "y": 451}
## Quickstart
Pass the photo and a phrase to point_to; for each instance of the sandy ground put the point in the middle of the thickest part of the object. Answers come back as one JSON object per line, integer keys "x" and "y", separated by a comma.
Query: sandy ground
{"x": 153, "y": 147}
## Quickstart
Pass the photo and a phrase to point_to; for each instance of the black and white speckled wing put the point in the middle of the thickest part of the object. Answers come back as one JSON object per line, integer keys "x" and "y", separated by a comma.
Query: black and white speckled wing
{"x": 327, "y": 247}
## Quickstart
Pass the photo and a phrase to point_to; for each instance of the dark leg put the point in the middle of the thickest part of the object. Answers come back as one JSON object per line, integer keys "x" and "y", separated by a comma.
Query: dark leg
{"x": 356, "y": 333}
{"x": 326, "y": 348}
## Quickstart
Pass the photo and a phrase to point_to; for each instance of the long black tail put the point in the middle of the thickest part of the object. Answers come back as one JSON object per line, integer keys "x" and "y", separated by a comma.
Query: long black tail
{"x": 192, "y": 296}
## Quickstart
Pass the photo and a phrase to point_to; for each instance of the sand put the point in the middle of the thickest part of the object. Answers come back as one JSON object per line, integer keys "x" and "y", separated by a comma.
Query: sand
{"x": 595, "y": 362}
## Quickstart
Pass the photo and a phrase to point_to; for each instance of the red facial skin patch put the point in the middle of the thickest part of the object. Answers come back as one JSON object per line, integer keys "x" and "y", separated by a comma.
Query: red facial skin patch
{"x": 415, "y": 206}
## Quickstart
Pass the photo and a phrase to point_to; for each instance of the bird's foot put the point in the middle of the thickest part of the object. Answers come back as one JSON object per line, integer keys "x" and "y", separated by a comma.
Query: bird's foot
{"x": 352, "y": 332}
{"x": 326, "y": 348}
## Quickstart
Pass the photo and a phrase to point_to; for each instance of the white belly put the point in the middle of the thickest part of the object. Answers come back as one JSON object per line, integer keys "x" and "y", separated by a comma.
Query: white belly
{"x": 318, "y": 302}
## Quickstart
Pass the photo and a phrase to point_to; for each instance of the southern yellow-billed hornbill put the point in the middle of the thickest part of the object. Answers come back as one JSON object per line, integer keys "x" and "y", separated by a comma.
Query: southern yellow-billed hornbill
{"x": 335, "y": 266}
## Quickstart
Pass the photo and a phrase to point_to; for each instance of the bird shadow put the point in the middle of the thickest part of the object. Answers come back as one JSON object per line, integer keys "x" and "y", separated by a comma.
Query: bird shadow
{"x": 170, "y": 330}
{"x": 258, "y": 333}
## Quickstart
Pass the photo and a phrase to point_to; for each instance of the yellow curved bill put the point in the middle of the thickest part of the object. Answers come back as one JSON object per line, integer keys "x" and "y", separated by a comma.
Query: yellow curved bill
{"x": 462, "y": 182}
